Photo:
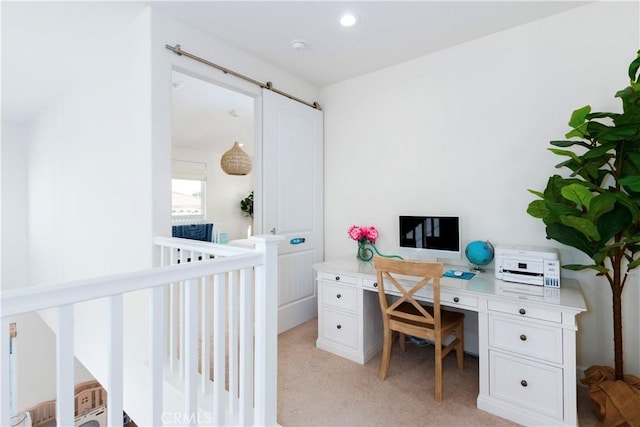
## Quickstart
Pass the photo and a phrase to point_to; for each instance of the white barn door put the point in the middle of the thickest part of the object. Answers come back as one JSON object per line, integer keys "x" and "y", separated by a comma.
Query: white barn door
{"x": 292, "y": 200}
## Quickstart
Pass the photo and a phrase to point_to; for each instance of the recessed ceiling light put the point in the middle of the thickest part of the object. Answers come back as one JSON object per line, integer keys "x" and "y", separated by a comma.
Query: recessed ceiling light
{"x": 298, "y": 44}
{"x": 348, "y": 20}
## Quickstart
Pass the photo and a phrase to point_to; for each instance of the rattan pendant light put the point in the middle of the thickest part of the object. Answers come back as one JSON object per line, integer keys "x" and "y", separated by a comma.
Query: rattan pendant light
{"x": 235, "y": 161}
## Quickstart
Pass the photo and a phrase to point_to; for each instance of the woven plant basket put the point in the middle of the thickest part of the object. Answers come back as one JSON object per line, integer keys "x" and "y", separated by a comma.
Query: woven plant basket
{"x": 236, "y": 161}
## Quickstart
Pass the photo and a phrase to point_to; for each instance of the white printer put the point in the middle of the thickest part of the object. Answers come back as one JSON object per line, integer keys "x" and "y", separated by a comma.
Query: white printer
{"x": 528, "y": 264}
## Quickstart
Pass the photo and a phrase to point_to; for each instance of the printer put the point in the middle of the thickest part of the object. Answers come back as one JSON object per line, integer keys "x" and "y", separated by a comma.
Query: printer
{"x": 529, "y": 265}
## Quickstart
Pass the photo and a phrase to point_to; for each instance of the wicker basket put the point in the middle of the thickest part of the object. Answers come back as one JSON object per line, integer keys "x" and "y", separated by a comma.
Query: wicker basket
{"x": 236, "y": 161}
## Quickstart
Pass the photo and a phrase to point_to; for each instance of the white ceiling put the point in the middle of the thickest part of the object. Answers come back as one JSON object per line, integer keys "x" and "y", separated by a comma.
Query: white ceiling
{"x": 209, "y": 118}
{"x": 42, "y": 42}
{"x": 388, "y": 32}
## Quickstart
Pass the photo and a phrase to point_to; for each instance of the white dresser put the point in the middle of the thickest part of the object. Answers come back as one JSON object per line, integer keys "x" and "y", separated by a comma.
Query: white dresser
{"x": 526, "y": 335}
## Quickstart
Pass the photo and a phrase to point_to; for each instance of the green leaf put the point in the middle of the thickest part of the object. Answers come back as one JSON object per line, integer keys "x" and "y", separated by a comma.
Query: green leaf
{"x": 633, "y": 264}
{"x": 590, "y": 170}
{"x": 570, "y": 237}
{"x": 611, "y": 134}
{"x": 634, "y": 157}
{"x": 559, "y": 209}
{"x": 578, "y": 267}
{"x": 600, "y": 115}
{"x": 571, "y": 154}
{"x": 583, "y": 225}
{"x": 565, "y": 144}
{"x": 579, "y": 116}
{"x": 600, "y": 204}
{"x": 569, "y": 164}
{"x": 599, "y": 151}
{"x": 626, "y": 201}
{"x": 633, "y": 70}
{"x": 624, "y": 93}
{"x": 537, "y": 193}
{"x": 538, "y": 209}
{"x": 580, "y": 132}
{"x": 575, "y": 267}
{"x": 613, "y": 222}
{"x": 632, "y": 182}
{"x": 578, "y": 194}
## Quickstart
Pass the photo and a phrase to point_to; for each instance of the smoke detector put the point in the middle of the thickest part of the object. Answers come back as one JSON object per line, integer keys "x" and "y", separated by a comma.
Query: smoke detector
{"x": 298, "y": 44}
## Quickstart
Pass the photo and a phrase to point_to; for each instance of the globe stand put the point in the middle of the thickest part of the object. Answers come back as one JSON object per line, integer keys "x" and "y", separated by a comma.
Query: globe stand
{"x": 479, "y": 254}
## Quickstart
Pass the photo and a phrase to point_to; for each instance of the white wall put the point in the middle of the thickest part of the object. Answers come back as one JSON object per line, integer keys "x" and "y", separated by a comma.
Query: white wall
{"x": 223, "y": 194}
{"x": 464, "y": 131}
{"x": 89, "y": 178}
{"x": 90, "y": 172}
{"x": 14, "y": 205}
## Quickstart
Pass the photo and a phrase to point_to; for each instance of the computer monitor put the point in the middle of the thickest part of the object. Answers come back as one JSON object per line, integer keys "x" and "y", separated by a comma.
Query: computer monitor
{"x": 429, "y": 237}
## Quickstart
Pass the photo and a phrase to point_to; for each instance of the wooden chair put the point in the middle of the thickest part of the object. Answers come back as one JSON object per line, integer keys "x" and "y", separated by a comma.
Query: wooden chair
{"x": 406, "y": 316}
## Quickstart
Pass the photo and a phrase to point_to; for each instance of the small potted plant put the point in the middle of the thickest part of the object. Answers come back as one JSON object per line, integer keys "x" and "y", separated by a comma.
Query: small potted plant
{"x": 246, "y": 205}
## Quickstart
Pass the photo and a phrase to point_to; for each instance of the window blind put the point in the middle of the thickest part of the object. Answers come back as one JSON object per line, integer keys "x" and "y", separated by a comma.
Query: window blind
{"x": 184, "y": 169}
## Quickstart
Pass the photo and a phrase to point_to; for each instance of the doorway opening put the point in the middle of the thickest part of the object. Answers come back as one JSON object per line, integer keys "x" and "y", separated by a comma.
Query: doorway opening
{"x": 207, "y": 120}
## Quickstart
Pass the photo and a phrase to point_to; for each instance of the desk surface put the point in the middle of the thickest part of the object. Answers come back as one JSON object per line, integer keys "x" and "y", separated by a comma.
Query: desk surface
{"x": 568, "y": 297}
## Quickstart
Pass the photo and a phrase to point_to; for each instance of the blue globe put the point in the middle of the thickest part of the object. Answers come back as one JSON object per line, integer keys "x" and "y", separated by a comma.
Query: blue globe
{"x": 479, "y": 252}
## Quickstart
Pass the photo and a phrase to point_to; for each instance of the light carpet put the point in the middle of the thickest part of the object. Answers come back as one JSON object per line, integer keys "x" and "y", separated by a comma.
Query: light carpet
{"x": 317, "y": 388}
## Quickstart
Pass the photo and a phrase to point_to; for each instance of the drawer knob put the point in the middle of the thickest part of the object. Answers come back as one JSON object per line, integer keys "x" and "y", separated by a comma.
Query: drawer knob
{"x": 337, "y": 278}
{"x": 375, "y": 284}
{"x": 522, "y": 311}
{"x": 339, "y": 326}
{"x": 523, "y": 383}
{"x": 339, "y": 296}
{"x": 523, "y": 337}
{"x": 456, "y": 299}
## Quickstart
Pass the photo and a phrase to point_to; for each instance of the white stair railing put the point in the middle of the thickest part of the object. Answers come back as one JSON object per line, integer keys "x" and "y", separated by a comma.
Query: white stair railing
{"x": 240, "y": 324}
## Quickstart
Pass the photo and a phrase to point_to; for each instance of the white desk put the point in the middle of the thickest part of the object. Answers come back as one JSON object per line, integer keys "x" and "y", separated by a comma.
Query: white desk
{"x": 526, "y": 343}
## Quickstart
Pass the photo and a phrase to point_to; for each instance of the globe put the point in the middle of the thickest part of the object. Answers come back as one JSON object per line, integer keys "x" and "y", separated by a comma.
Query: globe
{"x": 479, "y": 253}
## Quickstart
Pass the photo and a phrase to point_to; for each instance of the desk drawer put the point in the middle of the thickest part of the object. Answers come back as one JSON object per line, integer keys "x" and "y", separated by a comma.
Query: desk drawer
{"x": 340, "y": 327}
{"x": 524, "y": 310}
{"x": 527, "y": 384}
{"x": 339, "y": 296}
{"x": 534, "y": 340}
{"x": 336, "y": 277}
{"x": 370, "y": 284}
{"x": 456, "y": 300}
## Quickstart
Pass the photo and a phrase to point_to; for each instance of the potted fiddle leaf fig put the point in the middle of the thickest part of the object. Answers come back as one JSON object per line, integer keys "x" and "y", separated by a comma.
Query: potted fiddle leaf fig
{"x": 595, "y": 207}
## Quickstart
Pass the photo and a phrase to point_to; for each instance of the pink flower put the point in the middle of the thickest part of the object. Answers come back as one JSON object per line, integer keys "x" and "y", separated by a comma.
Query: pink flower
{"x": 355, "y": 232}
{"x": 361, "y": 234}
{"x": 372, "y": 234}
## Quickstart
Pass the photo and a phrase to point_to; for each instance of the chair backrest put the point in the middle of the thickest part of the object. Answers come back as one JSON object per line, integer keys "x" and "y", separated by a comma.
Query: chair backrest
{"x": 388, "y": 272}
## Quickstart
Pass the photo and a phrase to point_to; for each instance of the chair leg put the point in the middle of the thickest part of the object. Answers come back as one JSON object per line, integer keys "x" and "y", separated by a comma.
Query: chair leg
{"x": 403, "y": 342}
{"x": 460, "y": 346}
{"x": 386, "y": 354}
{"x": 438, "y": 357}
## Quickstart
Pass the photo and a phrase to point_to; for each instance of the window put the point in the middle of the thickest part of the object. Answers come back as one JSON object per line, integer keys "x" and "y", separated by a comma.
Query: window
{"x": 187, "y": 198}
{"x": 188, "y": 191}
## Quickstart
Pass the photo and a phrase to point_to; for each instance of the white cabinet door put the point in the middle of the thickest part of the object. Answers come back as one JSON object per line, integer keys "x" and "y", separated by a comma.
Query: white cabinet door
{"x": 292, "y": 200}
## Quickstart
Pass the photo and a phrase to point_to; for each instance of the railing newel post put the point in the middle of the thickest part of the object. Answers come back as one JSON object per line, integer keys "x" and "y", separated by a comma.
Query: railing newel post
{"x": 266, "y": 319}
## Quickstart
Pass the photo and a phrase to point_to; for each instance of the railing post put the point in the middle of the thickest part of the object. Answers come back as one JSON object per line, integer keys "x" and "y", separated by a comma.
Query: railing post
{"x": 65, "y": 379}
{"x": 115, "y": 369}
{"x": 5, "y": 342}
{"x": 266, "y": 320}
{"x": 156, "y": 352}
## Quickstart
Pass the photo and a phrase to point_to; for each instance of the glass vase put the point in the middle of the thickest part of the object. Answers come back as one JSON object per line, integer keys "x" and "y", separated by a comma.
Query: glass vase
{"x": 365, "y": 251}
